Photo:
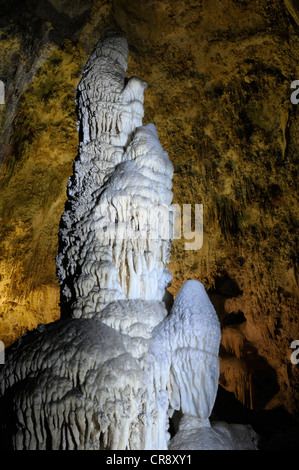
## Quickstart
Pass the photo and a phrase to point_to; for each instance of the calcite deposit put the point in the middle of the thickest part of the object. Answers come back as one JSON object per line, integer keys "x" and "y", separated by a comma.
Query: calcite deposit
{"x": 112, "y": 373}
{"x": 121, "y": 177}
{"x": 219, "y": 91}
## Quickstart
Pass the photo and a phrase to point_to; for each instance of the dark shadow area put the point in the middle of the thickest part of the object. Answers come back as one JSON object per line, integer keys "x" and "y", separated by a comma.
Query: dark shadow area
{"x": 277, "y": 429}
{"x": 225, "y": 287}
{"x": 261, "y": 376}
{"x": 234, "y": 318}
{"x": 30, "y": 17}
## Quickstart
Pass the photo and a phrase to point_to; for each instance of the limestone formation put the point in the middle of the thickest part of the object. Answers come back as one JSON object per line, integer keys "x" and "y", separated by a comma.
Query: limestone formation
{"x": 122, "y": 177}
{"x": 111, "y": 374}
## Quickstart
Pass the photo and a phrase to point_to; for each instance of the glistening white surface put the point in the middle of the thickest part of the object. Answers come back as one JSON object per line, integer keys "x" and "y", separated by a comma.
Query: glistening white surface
{"x": 111, "y": 375}
{"x": 122, "y": 180}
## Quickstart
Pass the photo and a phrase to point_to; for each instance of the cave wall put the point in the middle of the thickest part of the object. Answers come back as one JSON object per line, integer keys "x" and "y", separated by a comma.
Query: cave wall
{"x": 218, "y": 75}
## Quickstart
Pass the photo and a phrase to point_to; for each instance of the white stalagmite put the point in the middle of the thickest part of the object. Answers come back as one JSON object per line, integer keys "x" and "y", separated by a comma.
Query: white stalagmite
{"x": 111, "y": 373}
{"x": 190, "y": 337}
{"x": 122, "y": 177}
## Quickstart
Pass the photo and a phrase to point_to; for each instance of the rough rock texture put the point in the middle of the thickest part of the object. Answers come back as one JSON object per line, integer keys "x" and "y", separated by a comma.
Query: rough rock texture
{"x": 113, "y": 381}
{"x": 219, "y": 75}
{"x": 122, "y": 179}
{"x": 112, "y": 375}
{"x": 89, "y": 391}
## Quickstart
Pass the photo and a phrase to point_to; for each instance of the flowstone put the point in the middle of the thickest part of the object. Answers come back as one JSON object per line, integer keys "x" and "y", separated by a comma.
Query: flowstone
{"x": 113, "y": 370}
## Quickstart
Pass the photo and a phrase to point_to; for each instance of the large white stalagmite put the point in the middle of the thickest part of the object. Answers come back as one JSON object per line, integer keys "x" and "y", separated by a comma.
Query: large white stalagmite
{"x": 122, "y": 179}
{"x": 110, "y": 374}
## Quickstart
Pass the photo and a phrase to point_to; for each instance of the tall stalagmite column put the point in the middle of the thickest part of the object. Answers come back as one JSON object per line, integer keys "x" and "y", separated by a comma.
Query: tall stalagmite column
{"x": 122, "y": 183}
{"x": 112, "y": 371}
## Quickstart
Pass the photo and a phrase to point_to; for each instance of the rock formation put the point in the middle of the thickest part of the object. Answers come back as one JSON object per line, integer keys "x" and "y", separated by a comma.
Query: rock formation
{"x": 110, "y": 375}
{"x": 219, "y": 93}
{"x": 113, "y": 371}
{"x": 121, "y": 175}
